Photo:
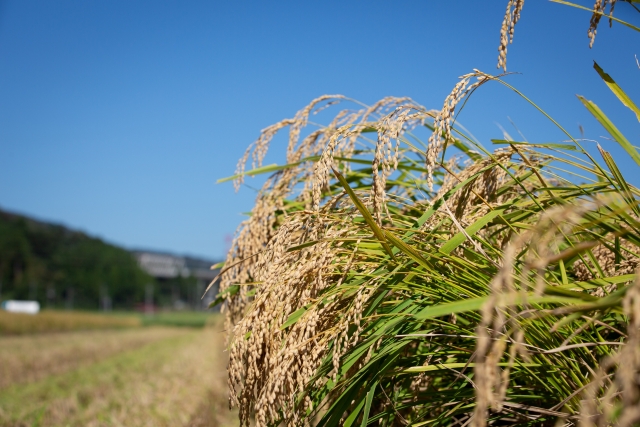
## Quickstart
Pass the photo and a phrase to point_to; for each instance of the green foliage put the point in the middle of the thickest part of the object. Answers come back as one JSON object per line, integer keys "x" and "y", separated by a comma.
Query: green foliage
{"x": 54, "y": 265}
{"x": 425, "y": 315}
{"x": 189, "y": 319}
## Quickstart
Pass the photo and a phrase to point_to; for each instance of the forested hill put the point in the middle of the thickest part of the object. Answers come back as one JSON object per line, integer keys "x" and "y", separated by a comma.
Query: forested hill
{"x": 61, "y": 267}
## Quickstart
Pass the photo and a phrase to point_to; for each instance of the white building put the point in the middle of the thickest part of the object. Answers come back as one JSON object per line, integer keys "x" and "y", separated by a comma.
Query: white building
{"x": 164, "y": 266}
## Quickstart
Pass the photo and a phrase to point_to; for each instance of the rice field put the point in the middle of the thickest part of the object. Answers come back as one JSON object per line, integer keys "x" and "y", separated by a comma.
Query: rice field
{"x": 151, "y": 376}
{"x": 58, "y": 321}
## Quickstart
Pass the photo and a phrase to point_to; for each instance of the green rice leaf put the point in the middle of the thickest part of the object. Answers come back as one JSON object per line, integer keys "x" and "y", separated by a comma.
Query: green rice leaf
{"x": 611, "y": 128}
{"x": 617, "y": 91}
{"x": 377, "y": 231}
{"x": 293, "y": 317}
{"x": 352, "y": 417}
{"x": 275, "y": 168}
{"x": 407, "y": 249}
{"x": 537, "y": 144}
{"x": 474, "y": 304}
{"x": 367, "y": 407}
{"x": 460, "y": 237}
{"x": 599, "y": 283}
{"x": 442, "y": 366}
{"x": 619, "y": 180}
{"x": 230, "y": 291}
{"x": 257, "y": 171}
{"x": 334, "y": 414}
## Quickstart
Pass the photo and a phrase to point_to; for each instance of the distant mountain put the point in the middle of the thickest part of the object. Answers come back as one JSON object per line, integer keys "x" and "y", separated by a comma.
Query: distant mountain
{"x": 60, "y": 267}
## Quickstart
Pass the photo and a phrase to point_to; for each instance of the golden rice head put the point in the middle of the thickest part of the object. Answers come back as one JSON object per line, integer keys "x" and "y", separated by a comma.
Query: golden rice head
{"x": 584, "y": 269}
{"x": 511, "y": 18}
{"x": 442, "y": 122}
{"x": 390, "y": 130}
{"x": 481, "y": 190}
{"x": 268, "y": 364}
{"x": 322, "y": 168}
{"x": 598, "y": 10}
{"x": 386, "y": 155}
{"x": 266, "y": 367}
{"x": 253, "y": 233}
{"x": 611, "y": 8}
{"x": 259, "y": 148}
{"x": 339, "y": 137}
{"x": 301, "y": 119}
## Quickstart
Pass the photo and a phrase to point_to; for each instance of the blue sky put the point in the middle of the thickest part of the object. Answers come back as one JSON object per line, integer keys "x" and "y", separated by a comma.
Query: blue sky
{"x": 117, "y": 117}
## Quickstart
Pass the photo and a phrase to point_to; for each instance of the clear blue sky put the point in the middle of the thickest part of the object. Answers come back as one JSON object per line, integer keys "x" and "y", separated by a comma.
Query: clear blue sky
{"x": 117, "y": 117}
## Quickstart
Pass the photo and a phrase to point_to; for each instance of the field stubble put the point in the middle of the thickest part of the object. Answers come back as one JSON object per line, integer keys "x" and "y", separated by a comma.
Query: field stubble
{"x": 22, "y": 358}
{"x": 60, "y": 321}
{"x": 138, "y": 377}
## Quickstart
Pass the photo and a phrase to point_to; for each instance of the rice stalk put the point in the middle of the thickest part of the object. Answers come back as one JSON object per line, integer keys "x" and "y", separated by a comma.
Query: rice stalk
{"x": 489, "y": 287}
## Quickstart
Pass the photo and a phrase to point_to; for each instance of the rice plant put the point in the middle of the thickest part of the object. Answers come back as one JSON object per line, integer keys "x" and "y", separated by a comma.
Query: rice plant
{"x": 388, "y": 278}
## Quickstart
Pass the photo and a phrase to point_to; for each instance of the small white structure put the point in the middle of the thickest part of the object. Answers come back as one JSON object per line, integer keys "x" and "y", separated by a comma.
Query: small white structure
{"x": 27, "y": 307}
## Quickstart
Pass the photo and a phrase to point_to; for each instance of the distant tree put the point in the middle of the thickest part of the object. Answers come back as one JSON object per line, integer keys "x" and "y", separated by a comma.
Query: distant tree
{"x": 54, "y": 265}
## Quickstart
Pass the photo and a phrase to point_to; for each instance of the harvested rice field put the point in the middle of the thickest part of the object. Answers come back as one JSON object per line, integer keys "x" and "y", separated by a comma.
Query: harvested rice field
{"x": 153, "y": 376}
{"x": 62, "y": 321}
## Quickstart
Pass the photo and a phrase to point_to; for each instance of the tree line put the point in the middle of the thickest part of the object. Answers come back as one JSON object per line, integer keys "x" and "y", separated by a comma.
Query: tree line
{"x": 60, "y": 267}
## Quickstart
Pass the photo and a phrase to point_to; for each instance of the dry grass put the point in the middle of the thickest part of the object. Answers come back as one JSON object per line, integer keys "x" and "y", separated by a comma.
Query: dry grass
{"x": 58, "y": 321}
{"x": 29, "y": 358}
{"x": 172, "y": 381}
